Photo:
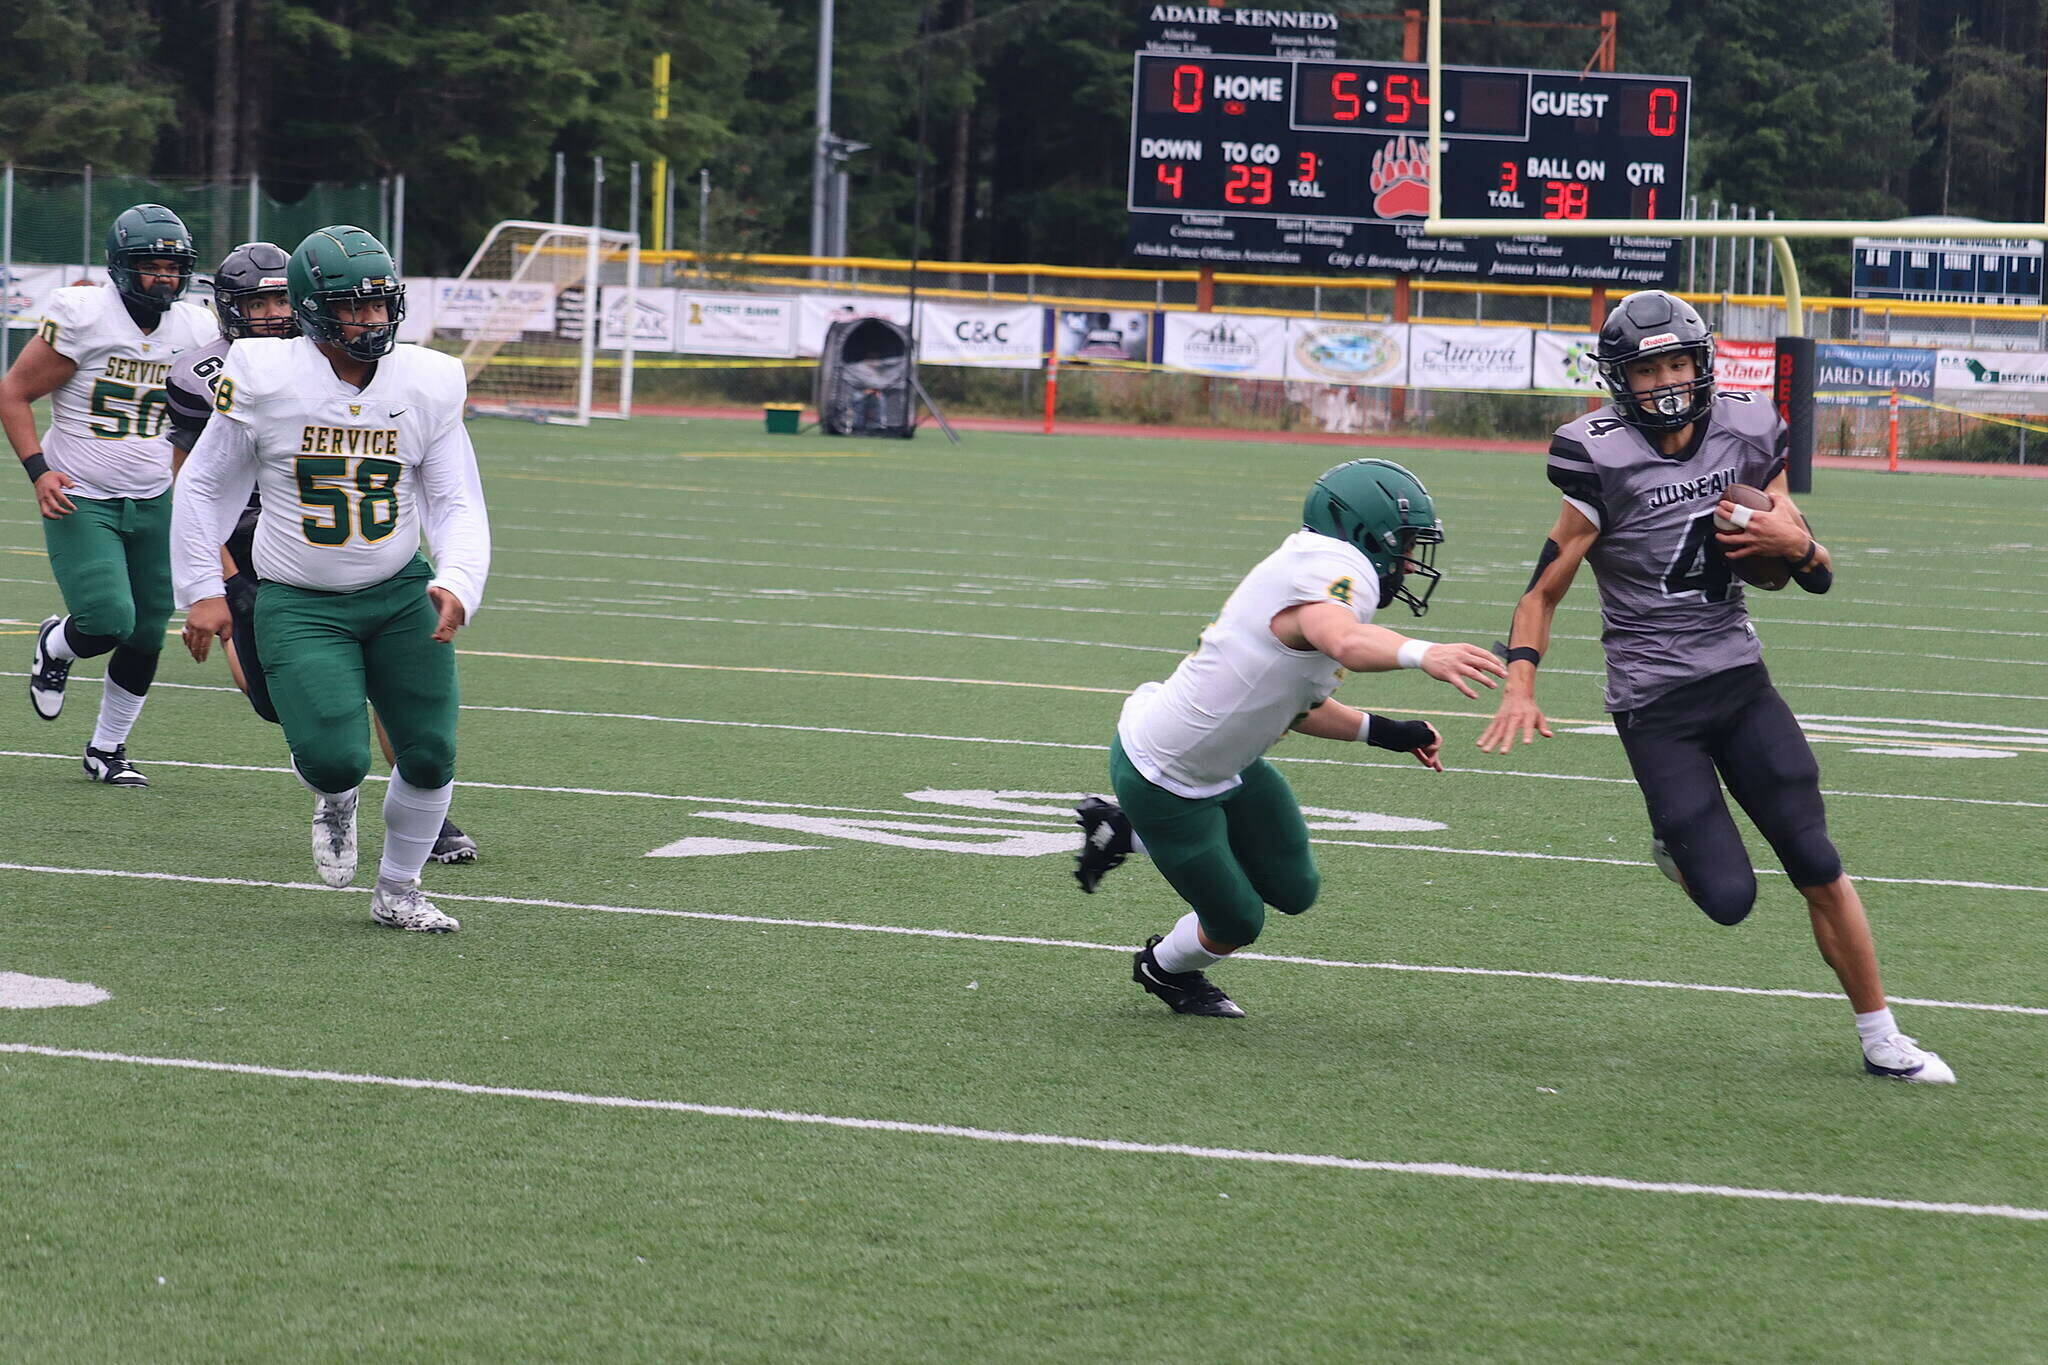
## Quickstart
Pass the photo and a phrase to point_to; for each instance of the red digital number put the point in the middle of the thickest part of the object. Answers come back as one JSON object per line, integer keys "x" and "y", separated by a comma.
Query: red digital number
{"x": 1662, "y": 120}
{"x": 1564, "y": 199}
{"x": 1510, "y": 178}
{"x": 1309, "y": 164}
{"x": 1187, "y": 90}
{"x": 1345, "y": 106}
{"x": 1249, "y": 185}
{"x": 1170, "y": 177}
{"x": 1650, "y": 206}
{"x": 1407, "y": 92}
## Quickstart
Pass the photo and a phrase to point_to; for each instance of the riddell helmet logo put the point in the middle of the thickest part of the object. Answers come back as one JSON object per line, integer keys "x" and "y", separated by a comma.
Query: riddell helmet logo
{"x": 1661, "y": 339}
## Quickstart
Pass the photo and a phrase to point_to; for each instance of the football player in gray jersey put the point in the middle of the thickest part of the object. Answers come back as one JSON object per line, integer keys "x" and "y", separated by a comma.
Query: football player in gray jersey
{"x": 251, "y": 300}
{"x": 1642, "y": 480}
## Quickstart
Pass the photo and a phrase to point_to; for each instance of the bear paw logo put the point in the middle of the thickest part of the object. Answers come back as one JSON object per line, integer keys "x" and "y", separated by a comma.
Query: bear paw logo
{"x": 1400, "y": 179}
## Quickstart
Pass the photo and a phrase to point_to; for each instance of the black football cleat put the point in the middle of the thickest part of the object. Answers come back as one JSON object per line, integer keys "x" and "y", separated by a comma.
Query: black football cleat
{"x": 112, "y": 767}
{"x": 47, "y": 676}
{"x": 452, "y": 845}
{"x": 1105, "y": 841}
{"x": 1184, "y": 992}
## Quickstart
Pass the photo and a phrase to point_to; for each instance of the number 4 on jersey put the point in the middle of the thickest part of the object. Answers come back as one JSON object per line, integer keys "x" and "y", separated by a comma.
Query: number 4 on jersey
{"x": 1698, "y": 566}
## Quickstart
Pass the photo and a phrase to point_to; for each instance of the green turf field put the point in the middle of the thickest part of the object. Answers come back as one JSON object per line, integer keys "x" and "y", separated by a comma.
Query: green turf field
{"x": 904, "y": 659}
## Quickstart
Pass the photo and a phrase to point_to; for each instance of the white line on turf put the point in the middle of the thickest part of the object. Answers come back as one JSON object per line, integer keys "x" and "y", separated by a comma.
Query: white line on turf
{"x": 1025, "y": 1139}
{"x": 1028, "y": 941}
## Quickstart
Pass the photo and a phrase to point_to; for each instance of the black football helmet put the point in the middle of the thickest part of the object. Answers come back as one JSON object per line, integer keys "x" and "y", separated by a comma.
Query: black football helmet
{"x": 251, "y": 268}
{"x": 1651, "y": 323}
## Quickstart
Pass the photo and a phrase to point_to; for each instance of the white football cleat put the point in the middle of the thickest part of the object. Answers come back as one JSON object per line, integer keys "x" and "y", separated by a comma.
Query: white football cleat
{"x": 1903, "y": 1059}
{"x": 334, "y": 837}
{"x": 409, "y": 909}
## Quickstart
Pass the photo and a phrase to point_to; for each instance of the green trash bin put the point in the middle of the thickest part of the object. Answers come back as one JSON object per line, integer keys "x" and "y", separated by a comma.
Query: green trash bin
{"x": 783, "y": 419}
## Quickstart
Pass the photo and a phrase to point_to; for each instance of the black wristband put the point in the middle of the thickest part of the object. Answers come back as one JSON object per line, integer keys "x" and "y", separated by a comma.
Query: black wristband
{"x": 1399, "y": 735}
{"x": 1524, "y": 652}
{"x": 1812, "y": 553}
{"x": 35, "y": 466}
{"x": 1816, "y": 580}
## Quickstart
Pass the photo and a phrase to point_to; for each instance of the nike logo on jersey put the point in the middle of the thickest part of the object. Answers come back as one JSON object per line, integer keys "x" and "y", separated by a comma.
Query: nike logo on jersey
{"x": 396, "y": 412}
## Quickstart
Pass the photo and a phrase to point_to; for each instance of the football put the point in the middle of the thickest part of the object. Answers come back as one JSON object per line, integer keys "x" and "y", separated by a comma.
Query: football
{"x": 1768, "y": 572}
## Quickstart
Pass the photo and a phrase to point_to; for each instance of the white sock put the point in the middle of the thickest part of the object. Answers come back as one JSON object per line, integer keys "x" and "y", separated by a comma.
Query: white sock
{"x": 118, "y": 709}
{"x": 1875, "y": 1025}
{"x": 1181, "y": 950}
{"x": 412, "y": 822}
{"x": 59, "y": 647}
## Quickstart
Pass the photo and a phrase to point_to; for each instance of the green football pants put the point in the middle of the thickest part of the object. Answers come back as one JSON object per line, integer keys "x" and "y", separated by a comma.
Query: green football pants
{"x": 326, "y": 653}
{"x": 1229, "y": 856}
{"x": 112, "y": 561}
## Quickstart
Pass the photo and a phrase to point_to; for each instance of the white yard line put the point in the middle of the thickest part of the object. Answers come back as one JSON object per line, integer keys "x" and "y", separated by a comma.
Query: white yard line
{"x": 1006, "y": 1137}
{"x": 1024, "y": 940}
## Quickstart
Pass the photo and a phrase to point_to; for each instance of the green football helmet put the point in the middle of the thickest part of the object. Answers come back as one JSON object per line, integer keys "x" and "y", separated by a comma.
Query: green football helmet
{"x": 343, "y": 264}
{"x": 1386, "y": 512}
{"x": 149, "y": 232}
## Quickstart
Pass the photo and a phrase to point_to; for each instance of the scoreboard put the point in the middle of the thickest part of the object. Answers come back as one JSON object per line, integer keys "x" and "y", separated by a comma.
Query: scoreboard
{"x": 1297, "y": 158}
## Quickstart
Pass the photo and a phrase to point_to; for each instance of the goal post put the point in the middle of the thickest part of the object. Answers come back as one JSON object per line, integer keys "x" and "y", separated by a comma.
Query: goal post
{"x": 542, "y": 319}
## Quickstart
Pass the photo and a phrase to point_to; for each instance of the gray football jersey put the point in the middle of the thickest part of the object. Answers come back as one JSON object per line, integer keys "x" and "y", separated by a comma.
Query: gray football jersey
{"x": 189, "y": 390}
{"x": 1671, "y": 608}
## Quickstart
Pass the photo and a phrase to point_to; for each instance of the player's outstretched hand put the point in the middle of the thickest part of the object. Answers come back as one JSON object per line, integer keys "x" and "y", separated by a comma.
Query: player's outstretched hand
{"x": 50, "y": 499}
{"x": 452, "y": 614}
{"x": 209, "y": 620}
{"x": 1455, "y": 664}
{"x": 1519, "y": 717}
{"x": 1430, "y": 755}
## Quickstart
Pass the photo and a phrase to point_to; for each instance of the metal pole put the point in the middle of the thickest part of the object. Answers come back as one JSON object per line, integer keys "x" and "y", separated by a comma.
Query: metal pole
{"x": 561, "y": 170}
{"x": 255, "y": 205}
{"x": 633, "y": 201}
{"x": 1749, "y": 285}
{"x": 703, "y": 216}
{"x": 597, "y": 191}
{"x": 397, "y": 242}
{"x": 1713, "y": 247}
{"x": 1769, "y": 261}
{"x": 384, "y": 208}
{"x": 1692, "y": 253}
{"x": 820, "y": 169}
{"x": 85, "y": 223}
{"x": 6, "y": 263}
{"x": 663, "y": 201}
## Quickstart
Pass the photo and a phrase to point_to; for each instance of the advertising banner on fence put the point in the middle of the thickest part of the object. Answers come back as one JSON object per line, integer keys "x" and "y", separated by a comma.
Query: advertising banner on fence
{"x": 1223, "y": 343}
{"x": 1373, "y": 353}
{"x": 1843, "y": 372}
{"x": 735, "y": 324}
{"x": 1082, "y": 337}
{"x": 28, "y": 287}
{"x": 1748, "y": 366}
{"x": 815, "y": 314}
{"x": 1993, "y": 381}
{"x": 996, "y": 338}
{"x": 1468, "y": 357}
{"x": 1564, "y": 360}
{"x": 470, "y": 307}
{"x": 654, "y": 319}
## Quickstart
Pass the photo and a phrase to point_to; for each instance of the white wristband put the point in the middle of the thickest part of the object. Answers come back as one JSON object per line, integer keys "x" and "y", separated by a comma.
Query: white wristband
{"x": 1412, "y": 652}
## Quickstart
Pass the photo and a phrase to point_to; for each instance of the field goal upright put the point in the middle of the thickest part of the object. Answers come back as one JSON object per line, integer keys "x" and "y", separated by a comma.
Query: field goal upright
{"x": 520, "y": 317}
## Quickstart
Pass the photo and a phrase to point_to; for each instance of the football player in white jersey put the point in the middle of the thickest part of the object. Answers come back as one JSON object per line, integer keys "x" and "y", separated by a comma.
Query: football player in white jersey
{"x": 102, "y": 473}
{"x": 1194, "y": 792}
{"x": 357, "y": 446}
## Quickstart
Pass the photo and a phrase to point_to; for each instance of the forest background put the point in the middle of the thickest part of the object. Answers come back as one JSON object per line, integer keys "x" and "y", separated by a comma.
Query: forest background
{"x": 1856, "y": 108}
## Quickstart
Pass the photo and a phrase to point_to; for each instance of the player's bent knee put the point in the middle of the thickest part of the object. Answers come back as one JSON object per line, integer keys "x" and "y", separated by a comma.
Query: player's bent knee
{"x": 333, "y": 769}
{"x": 1726, "y": 899}
{"x": 111, "y": 616}
{"x": 1295, "y": 894}
{"x": 1813, "y": 861}
{"x": 1237, "y": 927}
{"x": 428, "y": 764}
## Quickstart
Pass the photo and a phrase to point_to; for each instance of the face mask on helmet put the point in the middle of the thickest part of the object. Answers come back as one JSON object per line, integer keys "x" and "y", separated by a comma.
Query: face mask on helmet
{"x": 1414, "y": 552}
{"x": 320, "y": 319}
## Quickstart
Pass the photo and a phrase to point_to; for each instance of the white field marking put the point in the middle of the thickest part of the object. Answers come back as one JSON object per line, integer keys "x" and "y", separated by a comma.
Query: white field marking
{"x": 1005, "y": 1137}
{"x": 962, "y": 739}
{"x": 976, "y": 552}
{"x": 19, "y": 991}
{"x": 1029, "y": 941}
{"x": 516, "y": 604}
{"x": 1216, "y": 580}
{"x": 718, "y": 848}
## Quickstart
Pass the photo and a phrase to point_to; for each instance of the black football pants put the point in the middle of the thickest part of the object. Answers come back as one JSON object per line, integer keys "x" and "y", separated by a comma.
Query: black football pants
{"x": 1731, "y": 728}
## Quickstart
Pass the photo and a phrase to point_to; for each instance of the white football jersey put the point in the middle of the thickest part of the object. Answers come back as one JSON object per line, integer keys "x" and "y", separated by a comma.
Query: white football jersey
{"x": 349, "y": 478}
{"x": 1234, "y": 697}
{"x": 108, "y": 420}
